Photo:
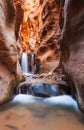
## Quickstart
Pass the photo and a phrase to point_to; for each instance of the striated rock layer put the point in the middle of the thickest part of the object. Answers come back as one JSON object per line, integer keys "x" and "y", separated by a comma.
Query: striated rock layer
{"x": 49, "y": 50}
{"x": 19, "y": 16}
{"x": 30, "y": 27}
{"x": 9, "y": 64}
{"x": 39, "y": 31}
{"x": 72, "y": 46}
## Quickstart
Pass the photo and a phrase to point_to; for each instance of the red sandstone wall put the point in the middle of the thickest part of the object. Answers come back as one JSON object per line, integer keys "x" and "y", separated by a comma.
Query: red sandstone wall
{"x": 49, "y": 51}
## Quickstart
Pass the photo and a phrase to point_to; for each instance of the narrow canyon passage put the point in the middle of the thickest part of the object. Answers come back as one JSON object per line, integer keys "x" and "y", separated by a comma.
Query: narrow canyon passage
{"x": 39, "y": 31}
{"x": 41, "y": 65}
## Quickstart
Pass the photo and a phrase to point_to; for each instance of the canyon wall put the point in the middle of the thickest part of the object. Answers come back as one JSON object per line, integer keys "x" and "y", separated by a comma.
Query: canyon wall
{"x": 10, "y": 70}
{"x": 30, "y": 27}
{"x": 72, "y": 46}
{"x": 19, "y": 16}
{"x": 48, "y": 30}
{"x": 40, "y": 31}
{"x": 49, "y": 51}
{"x": 24, "y": 23}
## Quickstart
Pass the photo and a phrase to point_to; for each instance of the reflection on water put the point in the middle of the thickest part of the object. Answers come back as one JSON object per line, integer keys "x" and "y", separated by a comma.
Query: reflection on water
{"x": 33, "y": 113}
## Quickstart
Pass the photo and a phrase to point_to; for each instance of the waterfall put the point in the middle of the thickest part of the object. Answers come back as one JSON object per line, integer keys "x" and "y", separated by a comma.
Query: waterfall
{"x": 32, "y": 59}
{"x": 27, "y": 63}
{"x": 24, "y": 63}
{"x": 33, "y": 63}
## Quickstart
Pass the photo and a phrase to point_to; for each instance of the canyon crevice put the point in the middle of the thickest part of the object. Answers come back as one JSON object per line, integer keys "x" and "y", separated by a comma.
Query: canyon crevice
{"x": 53, "y": 30}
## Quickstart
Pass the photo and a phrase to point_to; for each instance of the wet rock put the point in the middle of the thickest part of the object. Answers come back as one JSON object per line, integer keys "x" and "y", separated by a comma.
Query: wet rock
{"x": 65, "y": 88}
{"x": 40, "y": 90}
{"x": 23, "y": 88}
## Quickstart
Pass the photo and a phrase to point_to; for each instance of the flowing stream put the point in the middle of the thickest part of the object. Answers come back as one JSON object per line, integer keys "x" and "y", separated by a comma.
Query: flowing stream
{"x": 27, "y": 112}
{"x": 31, "y": 113}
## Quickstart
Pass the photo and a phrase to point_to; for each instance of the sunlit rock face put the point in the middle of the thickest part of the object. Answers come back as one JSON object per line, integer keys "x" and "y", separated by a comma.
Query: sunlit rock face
{"x": 49, "y": 51}
{"x": 9, "y": 65}
{"x": 30, "y": 27}
{"x": 39, "y": 30}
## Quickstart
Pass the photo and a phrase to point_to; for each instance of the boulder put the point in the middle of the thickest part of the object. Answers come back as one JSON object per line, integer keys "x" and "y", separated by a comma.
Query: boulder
{"x": 45, "y": 90}
{"x": 39, "y": 90}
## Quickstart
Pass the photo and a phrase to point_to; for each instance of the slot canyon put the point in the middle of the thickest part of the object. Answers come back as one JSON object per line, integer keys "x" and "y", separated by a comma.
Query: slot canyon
{"x": 41, "y": 55}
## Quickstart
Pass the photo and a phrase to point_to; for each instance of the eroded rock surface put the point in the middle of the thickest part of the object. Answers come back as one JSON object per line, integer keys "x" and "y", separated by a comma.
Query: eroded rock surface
{"x": 19, "y": 16}
{"x": 30, "y": 27}
{"x": 49, "y": 51}
{"x": 72, "y": 46}
{"x": 40, "y": 30}
{"x": 9, "y": 64}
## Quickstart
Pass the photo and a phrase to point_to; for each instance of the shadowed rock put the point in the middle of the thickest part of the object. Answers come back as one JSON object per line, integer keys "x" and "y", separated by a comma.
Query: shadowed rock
{"x": 72, "y": 46}
{"x": 44, "y": 90}
{"x": 9, "y": 63}
{"x": 52, "y": 21}
{"x": 40, "y": 90}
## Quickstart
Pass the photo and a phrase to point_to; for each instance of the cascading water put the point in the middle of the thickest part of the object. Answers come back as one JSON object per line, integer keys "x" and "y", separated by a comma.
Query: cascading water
{"x": 27, "y": 63}
{"x": 24, "y": 63}
{"x": 33, "y": 63}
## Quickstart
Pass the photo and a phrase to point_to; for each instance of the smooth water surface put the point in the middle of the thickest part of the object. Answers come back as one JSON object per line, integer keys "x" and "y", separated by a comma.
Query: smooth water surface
{"x": 31, "y": 113}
